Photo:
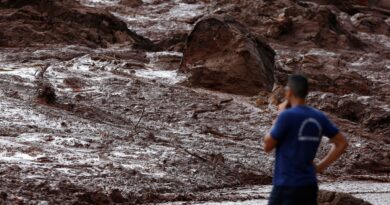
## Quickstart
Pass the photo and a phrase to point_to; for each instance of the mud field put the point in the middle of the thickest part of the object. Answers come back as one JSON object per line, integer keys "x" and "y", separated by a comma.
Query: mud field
{"x": 95, "y": 108}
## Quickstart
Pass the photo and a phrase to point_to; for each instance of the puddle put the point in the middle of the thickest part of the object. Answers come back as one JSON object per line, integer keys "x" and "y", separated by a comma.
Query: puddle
{"x": 168, "y": 76}
{"x": 155, "y": 56}
{"x": 156, "y": 69}
{"x": 162, "y": 19}
{"x": 183, "y": 10}
{"x": 16, "y": 157}
{"x": 100, "y": 2}
{"x": 26, "y": 72}
{"x": 321, "y": 52}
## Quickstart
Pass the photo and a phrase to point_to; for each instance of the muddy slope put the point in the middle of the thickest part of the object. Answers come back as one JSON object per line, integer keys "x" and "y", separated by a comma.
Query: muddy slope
{"x": 119, "y": 125}
{"x": 42, "y": 22}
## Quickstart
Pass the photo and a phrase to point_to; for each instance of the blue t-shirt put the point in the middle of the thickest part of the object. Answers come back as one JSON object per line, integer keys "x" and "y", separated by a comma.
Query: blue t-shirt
{"x": 298, "y": 131}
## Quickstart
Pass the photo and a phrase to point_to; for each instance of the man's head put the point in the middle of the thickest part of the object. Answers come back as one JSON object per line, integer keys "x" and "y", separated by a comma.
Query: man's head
{"x": 297, "y": 87}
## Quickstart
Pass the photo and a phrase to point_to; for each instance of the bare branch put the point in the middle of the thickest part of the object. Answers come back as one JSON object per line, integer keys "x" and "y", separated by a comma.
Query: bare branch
{"x": 139, "y": 120}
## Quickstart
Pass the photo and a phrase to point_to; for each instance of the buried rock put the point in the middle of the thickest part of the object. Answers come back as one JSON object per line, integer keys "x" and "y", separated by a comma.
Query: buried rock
{"x": 221, "y": 54}
{"x": 336, "y": 198}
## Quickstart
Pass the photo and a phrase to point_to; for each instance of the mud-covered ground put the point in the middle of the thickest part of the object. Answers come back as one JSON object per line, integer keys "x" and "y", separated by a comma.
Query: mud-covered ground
{"x": 113, "y": 121}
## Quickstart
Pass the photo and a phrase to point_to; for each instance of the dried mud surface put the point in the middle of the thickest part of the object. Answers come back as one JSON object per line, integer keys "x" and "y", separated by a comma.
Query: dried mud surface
{"x": 109, "y": 122}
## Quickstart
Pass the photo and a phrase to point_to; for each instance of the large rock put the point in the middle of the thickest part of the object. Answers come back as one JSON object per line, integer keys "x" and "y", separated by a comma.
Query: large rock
{"x": 221, "y": 54}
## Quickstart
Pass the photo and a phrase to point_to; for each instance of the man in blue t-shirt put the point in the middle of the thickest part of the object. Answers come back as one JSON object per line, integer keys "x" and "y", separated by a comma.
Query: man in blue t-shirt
{"x": 296, "y": 135}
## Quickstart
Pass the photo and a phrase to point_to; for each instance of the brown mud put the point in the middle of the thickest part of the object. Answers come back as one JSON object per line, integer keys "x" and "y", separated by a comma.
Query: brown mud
{"x": 28, "y": 23}
{"x": 91, "y": 113}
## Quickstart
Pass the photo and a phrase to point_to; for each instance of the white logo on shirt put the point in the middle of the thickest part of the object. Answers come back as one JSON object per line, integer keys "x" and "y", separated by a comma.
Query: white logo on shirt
{"x": 301, "y": 137}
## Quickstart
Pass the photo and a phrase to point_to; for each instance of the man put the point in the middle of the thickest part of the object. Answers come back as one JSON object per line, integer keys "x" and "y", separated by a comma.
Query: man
{"x": 296, "y": 135}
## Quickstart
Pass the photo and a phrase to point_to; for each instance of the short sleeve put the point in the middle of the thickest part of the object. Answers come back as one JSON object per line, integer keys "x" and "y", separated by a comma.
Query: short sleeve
{"x": 328, "y": 128}
{"x": 279, "y": 129}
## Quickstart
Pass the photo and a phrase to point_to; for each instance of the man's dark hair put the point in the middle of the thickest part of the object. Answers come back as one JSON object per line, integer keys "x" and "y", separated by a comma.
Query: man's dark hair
{"x": 299, "y": 85}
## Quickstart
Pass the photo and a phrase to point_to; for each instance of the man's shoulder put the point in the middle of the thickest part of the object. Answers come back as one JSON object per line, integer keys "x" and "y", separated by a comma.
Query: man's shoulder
{"x": 317, "y": 111}
{"x": 319, "y": 115}
{"x": 311, "y": 111}
{"x": 287, "y": 112}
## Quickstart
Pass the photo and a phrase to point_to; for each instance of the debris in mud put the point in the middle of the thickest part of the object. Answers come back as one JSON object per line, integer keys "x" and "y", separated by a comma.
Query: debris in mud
{"x": 376, "y": 164}
{"x": 74, "y": 83}
{"x": 283, "y": 25}
{"x": 334, "y": 198}
{"x": 41, "y": 22}
{"x": 46, "y": 93}
{"x": 370, "y": 23}
{"x": 45, "y": 90}
{"x": 117, "y": 197}
{"x": 221, "y": 54}
{"x": 173, "y": 43}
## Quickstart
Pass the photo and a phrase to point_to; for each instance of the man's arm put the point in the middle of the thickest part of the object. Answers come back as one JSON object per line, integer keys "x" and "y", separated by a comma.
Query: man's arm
{"x": 340, "y": 144}
{"x": 269, "y": 143}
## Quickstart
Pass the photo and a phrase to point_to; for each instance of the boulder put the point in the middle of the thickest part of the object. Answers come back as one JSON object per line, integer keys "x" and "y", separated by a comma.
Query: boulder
{"x": 220, "y": 54}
